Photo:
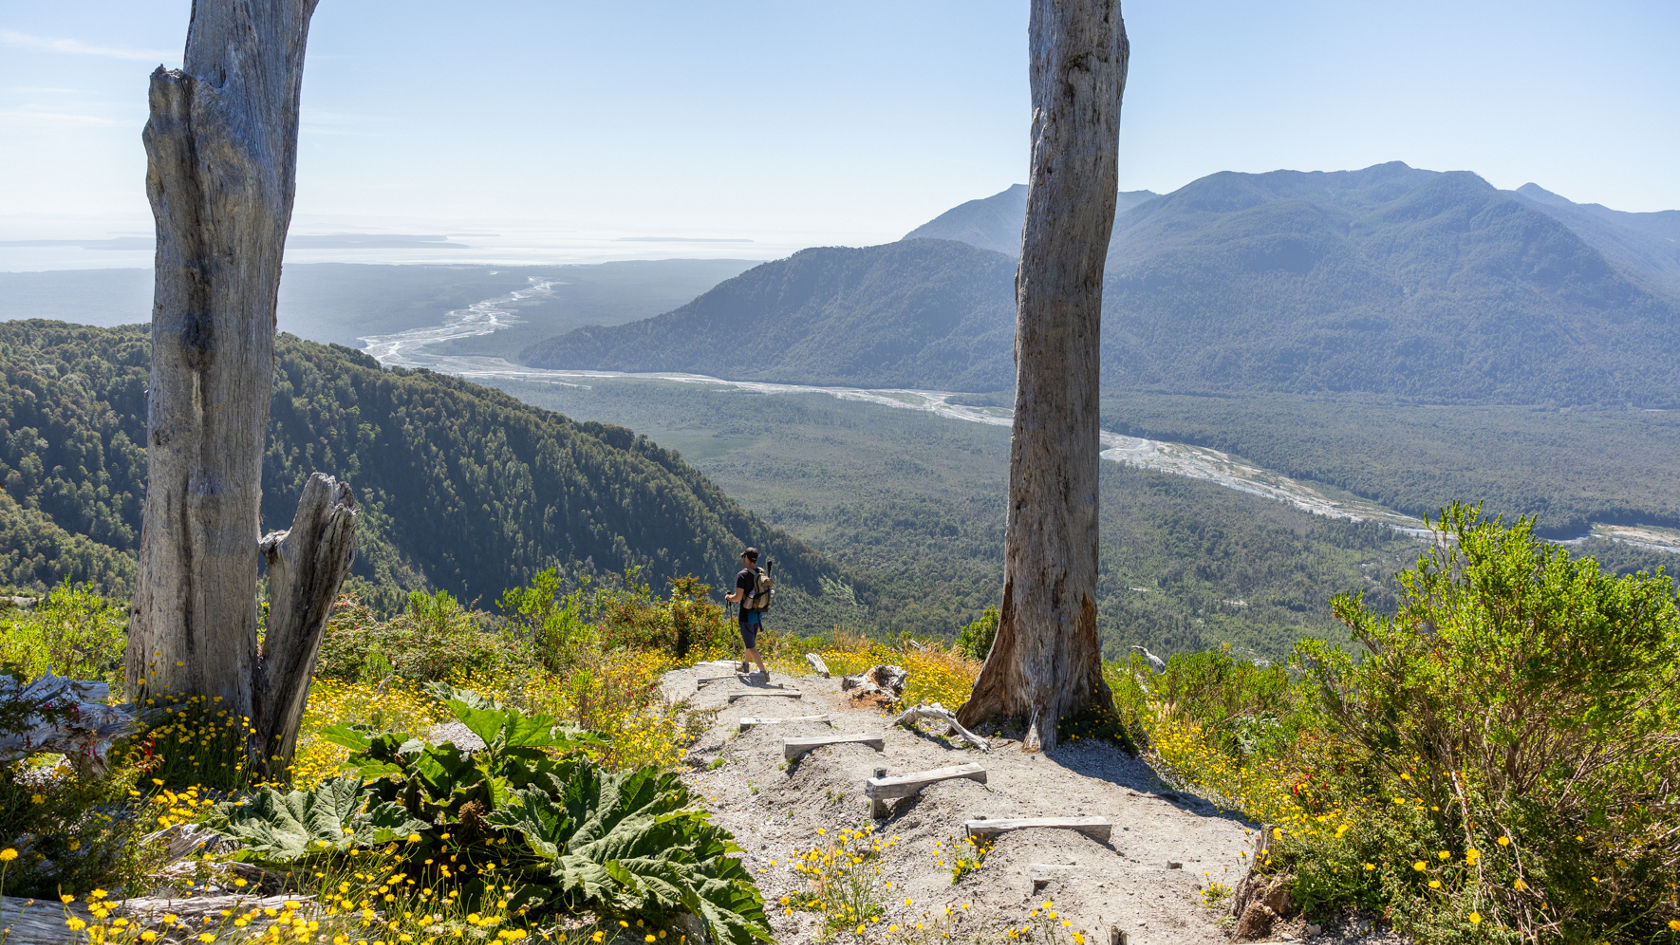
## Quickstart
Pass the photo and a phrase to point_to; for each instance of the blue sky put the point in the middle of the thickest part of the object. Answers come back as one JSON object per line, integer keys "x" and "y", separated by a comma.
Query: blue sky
{"x": 794, "y": 123}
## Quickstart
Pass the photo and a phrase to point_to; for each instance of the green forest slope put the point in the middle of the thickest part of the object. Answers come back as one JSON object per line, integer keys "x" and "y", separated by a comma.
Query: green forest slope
{"x": 462, "y": 488}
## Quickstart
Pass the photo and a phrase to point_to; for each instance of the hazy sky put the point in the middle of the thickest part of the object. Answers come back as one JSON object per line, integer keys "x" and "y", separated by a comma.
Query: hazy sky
{"x": 796, "y": 123}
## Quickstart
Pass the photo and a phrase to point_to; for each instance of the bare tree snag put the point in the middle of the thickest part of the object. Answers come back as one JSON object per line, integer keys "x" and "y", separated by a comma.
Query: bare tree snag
{"x": 307, "y": 565}
{"x": 1045, "y": 662}
{"x": 221, "y": 149}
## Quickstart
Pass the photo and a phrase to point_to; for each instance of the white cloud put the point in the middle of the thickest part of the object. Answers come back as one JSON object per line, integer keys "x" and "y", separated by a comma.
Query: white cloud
{"x": 36, "y": 115}
{"x": 77, "y": 47}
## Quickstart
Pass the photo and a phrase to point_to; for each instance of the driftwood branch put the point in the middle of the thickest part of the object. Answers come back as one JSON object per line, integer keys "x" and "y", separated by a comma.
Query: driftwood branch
{"x": 883, "y": 683}
{"x": 306, "y": 567}
{"x": 67, "y": 716}
{"x": 939, "y": 713}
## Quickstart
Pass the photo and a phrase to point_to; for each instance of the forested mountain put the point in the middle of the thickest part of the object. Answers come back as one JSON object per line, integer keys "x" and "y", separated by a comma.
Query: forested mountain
{"x": 1644, "y": 246}
{"x": 461, "y": 487}
{"x": 1390, "y": 280}
{"x": 892, "y": 315}
{"x": 995, "y": 222}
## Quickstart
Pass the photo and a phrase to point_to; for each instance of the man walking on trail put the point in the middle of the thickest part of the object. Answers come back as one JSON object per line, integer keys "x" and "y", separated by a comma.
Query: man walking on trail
{"x": 746, "y": 583}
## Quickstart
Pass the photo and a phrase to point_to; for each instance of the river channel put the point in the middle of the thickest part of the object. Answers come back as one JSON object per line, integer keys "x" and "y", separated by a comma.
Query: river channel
{"x": 412, "y": 349}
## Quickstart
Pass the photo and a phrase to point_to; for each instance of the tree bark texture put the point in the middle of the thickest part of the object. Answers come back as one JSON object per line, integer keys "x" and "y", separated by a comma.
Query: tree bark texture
{"x": 221, "y": 148}
{"x": 1045, "y": 662}
{"x": 307, "y": 565}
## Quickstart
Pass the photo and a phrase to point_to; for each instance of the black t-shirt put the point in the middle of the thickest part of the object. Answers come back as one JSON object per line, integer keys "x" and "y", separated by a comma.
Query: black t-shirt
{"x": 746, "y": 582}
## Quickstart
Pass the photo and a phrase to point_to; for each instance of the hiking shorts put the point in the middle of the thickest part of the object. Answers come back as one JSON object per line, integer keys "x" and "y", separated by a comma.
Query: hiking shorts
{"x": 751, "y": 620}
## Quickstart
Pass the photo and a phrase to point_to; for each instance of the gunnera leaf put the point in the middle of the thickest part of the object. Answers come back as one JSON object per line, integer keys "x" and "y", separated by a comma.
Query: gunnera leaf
{"x": 286, "y": 827}
{"x": 630, "y": 844}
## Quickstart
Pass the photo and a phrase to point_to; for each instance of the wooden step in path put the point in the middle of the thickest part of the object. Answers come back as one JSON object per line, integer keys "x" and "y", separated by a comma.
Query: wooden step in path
{"x": 767, "y": 694}
{"x": 749, "y": 721}
{"x": 881, "y": 788}
{"x": 798, "y": 747}
{"x": 1097, "y": 828}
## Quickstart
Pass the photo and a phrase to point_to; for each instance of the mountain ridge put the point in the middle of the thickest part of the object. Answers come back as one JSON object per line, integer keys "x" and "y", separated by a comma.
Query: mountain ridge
{"x": 1388, "y": 280}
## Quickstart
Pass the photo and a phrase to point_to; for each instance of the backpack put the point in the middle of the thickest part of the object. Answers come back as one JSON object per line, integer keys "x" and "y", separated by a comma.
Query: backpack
{"x": 763, "y": 592}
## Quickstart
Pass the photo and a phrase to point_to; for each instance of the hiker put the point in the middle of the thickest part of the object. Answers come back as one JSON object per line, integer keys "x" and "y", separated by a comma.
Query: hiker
{"x": 752, "y": 618}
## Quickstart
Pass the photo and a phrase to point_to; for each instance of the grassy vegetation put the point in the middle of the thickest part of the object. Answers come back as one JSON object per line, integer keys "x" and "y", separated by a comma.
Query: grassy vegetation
{"x": 1500, "y": 767}
{"x": 361, "y": 862}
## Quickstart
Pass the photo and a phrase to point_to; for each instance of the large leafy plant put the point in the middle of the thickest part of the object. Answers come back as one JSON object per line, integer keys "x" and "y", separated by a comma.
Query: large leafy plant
{"x": 574, "y": 837}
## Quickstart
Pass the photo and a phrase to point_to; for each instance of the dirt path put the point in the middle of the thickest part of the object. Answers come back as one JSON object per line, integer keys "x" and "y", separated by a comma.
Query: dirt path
{"x": 1146, "y": 881}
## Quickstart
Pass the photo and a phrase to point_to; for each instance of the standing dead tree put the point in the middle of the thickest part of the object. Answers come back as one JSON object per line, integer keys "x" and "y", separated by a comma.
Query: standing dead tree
{"x": 1045, "y": 662}
{"x": 221, "y": 149}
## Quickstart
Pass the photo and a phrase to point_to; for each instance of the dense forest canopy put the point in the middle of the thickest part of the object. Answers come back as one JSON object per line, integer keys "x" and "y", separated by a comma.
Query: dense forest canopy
{"x": 462, "y": 488}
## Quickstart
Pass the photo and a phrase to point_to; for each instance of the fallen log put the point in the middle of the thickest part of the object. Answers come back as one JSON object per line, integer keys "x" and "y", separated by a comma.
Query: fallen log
{"x": 883, "y": 683}
{"x": 66, "y": 716}
{"x": 939, "y": 713}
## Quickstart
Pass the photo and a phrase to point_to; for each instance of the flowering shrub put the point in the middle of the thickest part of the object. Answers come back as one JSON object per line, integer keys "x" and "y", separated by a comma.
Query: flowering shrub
{"x": 1499, "y": 766}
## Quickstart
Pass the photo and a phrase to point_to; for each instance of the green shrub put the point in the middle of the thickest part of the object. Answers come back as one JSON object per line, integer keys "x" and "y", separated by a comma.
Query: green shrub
{"x": 975, "y": 640}
{"x": 684, "y": 625}
{"x": 435, "y": 638}
{"x": 74, "y": 631}
{"x": 72, "y": 833}
{"x": 1516, "y": 720}
{"x": 550, "y": 620}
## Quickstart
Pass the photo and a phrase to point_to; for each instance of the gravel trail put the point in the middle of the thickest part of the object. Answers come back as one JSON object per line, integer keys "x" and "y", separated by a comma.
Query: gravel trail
{"x": 1146, "y": 881}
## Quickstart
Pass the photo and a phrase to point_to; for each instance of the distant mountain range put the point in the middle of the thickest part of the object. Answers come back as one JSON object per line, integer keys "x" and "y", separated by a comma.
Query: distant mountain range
{"x": 1390, "y": 280}
{"x": 895, "y": 315}
{"x": 995, "y": 222}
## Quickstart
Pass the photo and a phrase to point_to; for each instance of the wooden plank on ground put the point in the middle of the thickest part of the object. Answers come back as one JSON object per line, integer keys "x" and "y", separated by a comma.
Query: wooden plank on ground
{"x": 881, "y": 788}
{"x": 796, "y": 747}
{"x": 1097, "y": 828}
{"x": 705, "y": 681}
{"x": 750, "y": 722}
{"x": 905, "y": 785}
{"x": 1043, "y": 874}
{"x": 767, "y": 694}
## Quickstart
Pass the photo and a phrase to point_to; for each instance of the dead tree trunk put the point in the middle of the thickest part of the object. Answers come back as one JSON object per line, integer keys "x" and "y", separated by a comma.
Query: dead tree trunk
{"x": 306, "y": 567}
{"x": 1045, "y": 662}
{"x": 221, "y": 149}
